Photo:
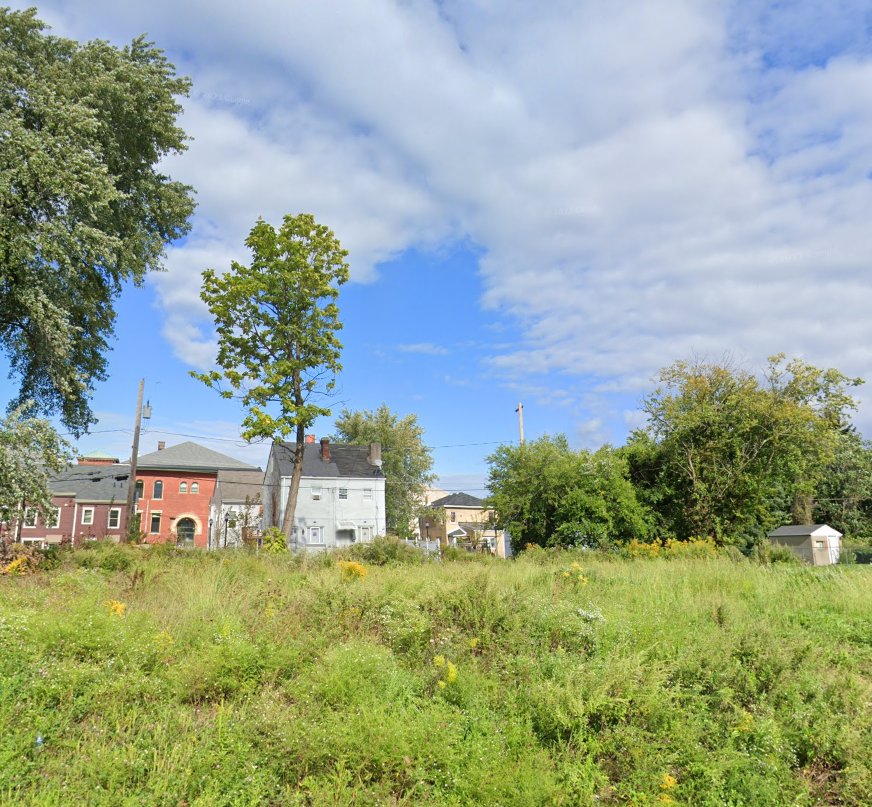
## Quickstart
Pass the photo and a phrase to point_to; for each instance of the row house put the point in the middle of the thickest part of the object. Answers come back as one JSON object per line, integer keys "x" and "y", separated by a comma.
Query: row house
{"x": 89, "y": 502}
{"x": 342, "y": 493}
{"x": 175, "y": 490}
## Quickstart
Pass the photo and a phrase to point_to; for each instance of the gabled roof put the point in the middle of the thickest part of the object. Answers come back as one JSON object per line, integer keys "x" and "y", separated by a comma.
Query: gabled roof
{"x": 92, "y": 483}
{"x": 190, "y": 457}
{"x": 236, "y": 485}
{"x": 345, "y": 461}
{"x": 804, "y": 529}
{"x": 458, "y": 500}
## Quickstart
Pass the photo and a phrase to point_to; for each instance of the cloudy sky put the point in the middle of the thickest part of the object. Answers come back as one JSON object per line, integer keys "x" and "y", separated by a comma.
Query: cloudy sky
{"x": 543, "y": 202}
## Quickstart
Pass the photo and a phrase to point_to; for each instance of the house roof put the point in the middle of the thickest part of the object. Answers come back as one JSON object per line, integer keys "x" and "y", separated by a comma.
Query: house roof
{"x": 237, "y": 485}
{"x": 92, "y": 483}
{"x": 804, "y": 529}
{"x": 190, "y": 457}
{"x": 458, "y": 500}
{"x": 98, "y": 455}
{"x": 345, "y": 461}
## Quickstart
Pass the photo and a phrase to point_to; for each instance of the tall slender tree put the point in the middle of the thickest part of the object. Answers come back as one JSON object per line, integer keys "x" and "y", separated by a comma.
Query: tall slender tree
{"x": 277, "y": 321}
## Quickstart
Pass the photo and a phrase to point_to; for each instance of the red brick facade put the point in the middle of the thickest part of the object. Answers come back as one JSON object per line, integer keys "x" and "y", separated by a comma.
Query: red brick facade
{"x": 175, "y": 506}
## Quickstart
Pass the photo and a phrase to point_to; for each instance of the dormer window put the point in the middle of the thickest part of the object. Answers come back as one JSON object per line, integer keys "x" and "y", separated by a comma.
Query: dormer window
{"x": 158, "y": 490}
{"x": 183, "y": 488}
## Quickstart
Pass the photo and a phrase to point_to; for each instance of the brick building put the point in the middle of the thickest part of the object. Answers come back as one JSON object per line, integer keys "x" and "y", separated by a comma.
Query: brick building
{"x": 174, "y": 488}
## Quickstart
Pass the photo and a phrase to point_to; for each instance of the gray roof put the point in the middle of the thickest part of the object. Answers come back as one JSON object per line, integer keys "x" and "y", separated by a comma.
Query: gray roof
{"x": 93, "y": 483}
{"x": 190, "y": 457}
{"x": 345, "y": 461}
{"x": 801, "y": 529}
{"x": 458, "y": 500}
{"x": 236, "y": 485}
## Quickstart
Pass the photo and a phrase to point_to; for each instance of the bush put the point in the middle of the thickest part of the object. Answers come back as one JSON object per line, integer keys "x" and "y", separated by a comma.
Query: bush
{"x": 768, "y": 553}
{"x": 383, "y": 552}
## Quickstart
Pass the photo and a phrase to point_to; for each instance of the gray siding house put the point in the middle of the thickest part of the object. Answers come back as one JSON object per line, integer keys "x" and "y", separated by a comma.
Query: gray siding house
{"x": 341, "y": 499}
{"x": 817, "y": 544}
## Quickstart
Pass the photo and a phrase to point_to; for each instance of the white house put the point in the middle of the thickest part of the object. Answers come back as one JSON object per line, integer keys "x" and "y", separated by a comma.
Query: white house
{"x": 236, "y": 509}
{"x": 817, "y": 544}
{"x": 342, "y": 494}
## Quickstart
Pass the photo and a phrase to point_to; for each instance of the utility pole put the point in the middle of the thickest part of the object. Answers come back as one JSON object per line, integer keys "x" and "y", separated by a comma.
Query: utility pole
{"x": 131, "y": 485}
{"x": 520, "y": 411}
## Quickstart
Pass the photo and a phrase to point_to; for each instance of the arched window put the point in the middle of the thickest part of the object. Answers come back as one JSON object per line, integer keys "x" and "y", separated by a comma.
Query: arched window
{"x": 185, "y": 530}
{"x": 158, "y": 490}
{"x": 195, "y": 487}
{"x": 183, "y": 488}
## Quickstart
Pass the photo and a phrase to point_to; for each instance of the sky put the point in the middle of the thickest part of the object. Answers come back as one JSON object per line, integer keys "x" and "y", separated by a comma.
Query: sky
{"x": 543, "y": 202}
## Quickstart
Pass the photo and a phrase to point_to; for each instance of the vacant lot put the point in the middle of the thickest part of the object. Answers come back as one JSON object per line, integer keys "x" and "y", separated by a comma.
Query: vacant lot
{"x": 132, "y": 677}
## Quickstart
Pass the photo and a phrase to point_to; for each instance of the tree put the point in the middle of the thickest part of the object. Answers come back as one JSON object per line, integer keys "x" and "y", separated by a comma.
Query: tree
{"x": 546, "y": 494}
{"x": 277, "y": 322}
{"x": 725, "y": 452}
{"x": 406, "y": 460}
{"x": 843, "y": 496}
{"x": 83, "y": 206}
{"x": 30, "y": 450}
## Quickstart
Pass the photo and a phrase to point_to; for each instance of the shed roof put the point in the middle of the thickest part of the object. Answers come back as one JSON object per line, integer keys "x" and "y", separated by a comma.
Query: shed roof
{"x": 92, "y": 483}
{"x": 458, "y": 500}
{"x": 804, "y": 529}
{"x": 190, "y": 456}
{"x": 345, "y": 461}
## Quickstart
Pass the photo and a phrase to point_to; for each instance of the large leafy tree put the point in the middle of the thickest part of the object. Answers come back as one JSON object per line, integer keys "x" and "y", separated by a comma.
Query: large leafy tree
{"x": 843, "y": 496}
{"x": 83, "y": 204}
{"x": 725, "y": 453}
{"x": 277, "y": 321}
{"x": 407, "y": 461}
{"x": 546, "y": 494}
{"x": 30, "y": 451}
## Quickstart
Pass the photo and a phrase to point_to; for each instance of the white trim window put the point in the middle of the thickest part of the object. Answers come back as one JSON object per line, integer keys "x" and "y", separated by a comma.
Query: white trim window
{"x": 31, "y": 517}
{"x": 316, "y": 535}
{"x": 113, "y": 520}
{"x": 88, "y": 516}
{"x": 53, "y": 518}
{"x": 195, "y": 487}
{"x": 367, "y": 494}
{"x": 154, "y": 527}
{"x": 316, "y": 494}
{"x": 343, "y": 493}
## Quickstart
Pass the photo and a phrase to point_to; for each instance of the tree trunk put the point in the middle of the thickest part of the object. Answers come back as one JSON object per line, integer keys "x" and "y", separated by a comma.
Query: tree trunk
{"x": 291, "y": 504}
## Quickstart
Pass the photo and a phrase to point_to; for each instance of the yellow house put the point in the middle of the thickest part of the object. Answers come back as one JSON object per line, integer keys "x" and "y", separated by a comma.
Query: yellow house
{"x": 462, "y": 520}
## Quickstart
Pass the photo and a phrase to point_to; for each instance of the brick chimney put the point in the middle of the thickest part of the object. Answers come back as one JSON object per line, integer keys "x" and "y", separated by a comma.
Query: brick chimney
{"x": 161, "y": 445}
{"x": 325, "y": 449}
{"x": 310, "y": 438}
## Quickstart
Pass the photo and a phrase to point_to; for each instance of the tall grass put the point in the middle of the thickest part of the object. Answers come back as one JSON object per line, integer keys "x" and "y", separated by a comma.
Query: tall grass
{"x": 239, "y": 680}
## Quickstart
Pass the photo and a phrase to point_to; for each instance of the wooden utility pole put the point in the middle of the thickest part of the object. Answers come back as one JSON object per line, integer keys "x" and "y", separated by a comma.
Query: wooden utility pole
{"x": 520, "y": 411}
{"x": 131, "y": 485}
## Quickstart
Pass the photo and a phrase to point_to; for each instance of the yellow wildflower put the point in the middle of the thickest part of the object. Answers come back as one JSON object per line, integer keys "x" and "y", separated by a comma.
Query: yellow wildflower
{"x": 442, "y": 685}
{"x": 668, "y": 782}
{"x": 566, "y": 574}
{"x": 116, "y": 607}
{"x": 450, "y": 673}
{"x": 473, "y": 643}
{"x": 439, "y": 662}
{"x": 665, "y": 798}
{"x": 351, "y": 569}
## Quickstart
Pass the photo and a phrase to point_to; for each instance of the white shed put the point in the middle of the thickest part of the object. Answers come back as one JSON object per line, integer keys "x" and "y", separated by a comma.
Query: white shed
{"x": 817, "y": 544}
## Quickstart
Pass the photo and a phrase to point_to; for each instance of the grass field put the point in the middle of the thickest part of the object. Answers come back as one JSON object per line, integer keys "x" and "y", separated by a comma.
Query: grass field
{"x": 134, "y": 677}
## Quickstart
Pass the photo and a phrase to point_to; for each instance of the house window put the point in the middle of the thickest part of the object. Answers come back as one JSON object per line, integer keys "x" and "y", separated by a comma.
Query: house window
{"x": 316, "y": 494}
{"x": 53, "y": 517}
{"x": 367, "y": 494}
{"x": 315, "y": 535}
{"x": 158, "y": 490}
{"x": 195, "y": 487}
{"x": 155, "y": 524}
{"x": 452, "y": 516}
{"x": 138, "y": 490}
{"x": 343, "y": 493}
{"x": 31, "y": 516}
{"x": 183, "y": 488}
{"x": 87, "y": 516}
{"x": 114, "y": 518}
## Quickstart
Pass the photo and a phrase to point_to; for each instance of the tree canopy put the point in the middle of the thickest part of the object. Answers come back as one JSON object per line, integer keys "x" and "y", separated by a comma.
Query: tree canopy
{"x": 546, "y": 494}
{"x": 407, "y": 461}
{"x": 277, "y": 323}
{"x": 723, "y": 450}
{"x": 30, "y": 451}
{"x": 84, "y": 207}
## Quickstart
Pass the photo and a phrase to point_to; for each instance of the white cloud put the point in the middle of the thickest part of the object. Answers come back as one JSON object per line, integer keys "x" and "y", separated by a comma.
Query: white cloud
{"x": 426, "y": 348}
{"x": 642, "y": 184}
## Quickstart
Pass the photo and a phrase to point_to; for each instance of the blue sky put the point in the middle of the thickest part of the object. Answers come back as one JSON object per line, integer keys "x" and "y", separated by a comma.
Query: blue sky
{"x": 543, "y": 202}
